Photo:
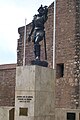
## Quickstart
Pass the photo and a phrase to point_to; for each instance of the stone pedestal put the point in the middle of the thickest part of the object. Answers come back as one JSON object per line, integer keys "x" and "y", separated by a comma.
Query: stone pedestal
{"x": 34, "y": 93}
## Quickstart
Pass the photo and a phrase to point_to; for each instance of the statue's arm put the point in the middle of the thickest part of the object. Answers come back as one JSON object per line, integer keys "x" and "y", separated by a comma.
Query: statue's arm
{"x": 32, "y": 28}
{"x": 45, "y": 13}
{"x": 29, "y": 36}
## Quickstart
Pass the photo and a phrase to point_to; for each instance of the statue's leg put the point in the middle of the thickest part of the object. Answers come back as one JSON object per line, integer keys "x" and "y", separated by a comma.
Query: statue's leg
{"x": 38, "y": 38}
{"x": 37, "y": 51}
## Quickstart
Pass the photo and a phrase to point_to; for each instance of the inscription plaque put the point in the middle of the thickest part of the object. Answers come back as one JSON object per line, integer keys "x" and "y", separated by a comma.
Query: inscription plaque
{"x": 24, "y": 98}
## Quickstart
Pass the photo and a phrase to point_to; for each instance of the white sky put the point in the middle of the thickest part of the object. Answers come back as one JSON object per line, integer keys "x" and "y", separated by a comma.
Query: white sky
{"x": 12, "y": 16}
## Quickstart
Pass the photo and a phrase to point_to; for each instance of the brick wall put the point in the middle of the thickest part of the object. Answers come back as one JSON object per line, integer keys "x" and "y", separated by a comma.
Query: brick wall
{"x": 7, "y": 84}
{"x": 67, "y": 50}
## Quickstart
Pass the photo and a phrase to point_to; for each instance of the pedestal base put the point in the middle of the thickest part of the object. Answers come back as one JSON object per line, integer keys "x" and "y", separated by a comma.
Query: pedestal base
{"x": 34, "y": 93}
{"x": 40, "y": 63}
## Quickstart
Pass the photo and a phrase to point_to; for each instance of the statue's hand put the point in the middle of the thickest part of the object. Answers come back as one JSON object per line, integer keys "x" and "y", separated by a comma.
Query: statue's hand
{"x": 29, "y": 38}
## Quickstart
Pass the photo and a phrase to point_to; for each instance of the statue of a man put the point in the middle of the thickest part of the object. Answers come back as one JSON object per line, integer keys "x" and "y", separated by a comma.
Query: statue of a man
{"x": 38, "y": 29}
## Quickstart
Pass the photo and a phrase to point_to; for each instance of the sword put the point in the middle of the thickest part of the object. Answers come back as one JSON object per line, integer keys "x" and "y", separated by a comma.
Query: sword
{"x": 45, "y": 46}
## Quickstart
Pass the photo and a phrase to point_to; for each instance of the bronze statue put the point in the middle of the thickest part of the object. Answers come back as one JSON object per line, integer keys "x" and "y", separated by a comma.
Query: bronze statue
{"x": 39, "y": 32}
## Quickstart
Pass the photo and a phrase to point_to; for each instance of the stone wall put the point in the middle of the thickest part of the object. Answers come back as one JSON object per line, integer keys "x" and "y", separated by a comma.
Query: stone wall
{"x": 7, "y": 84}
{"x": 5, "y": 113}
{"x": 62, "y": 114}
{"x": 77, "y": 54}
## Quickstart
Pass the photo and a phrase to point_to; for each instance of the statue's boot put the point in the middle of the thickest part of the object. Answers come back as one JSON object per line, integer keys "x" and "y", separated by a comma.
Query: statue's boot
{"x": 37, "y": 51}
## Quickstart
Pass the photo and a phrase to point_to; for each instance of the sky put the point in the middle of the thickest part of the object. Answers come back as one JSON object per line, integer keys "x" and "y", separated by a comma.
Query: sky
{"x": 12, "y": 16}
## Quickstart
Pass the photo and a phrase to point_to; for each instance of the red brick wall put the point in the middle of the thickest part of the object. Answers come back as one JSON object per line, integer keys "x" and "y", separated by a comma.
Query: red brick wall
{"x": 67, "y": 50}
{"x": 7, "y": 84}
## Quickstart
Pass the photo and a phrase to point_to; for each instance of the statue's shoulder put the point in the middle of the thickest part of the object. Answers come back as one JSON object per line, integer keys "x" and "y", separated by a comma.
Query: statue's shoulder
{"x": 34, "y": 17}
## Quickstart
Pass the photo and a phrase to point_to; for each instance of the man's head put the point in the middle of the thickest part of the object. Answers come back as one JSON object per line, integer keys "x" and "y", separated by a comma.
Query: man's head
{"x": 41, "y": 10}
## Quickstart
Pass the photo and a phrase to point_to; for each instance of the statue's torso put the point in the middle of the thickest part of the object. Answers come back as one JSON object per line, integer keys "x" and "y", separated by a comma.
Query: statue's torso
{"x": 39, "y": 22}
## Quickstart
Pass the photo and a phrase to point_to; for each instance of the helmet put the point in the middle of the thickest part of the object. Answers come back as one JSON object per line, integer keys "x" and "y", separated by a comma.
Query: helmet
{"x": 41, "y": 9}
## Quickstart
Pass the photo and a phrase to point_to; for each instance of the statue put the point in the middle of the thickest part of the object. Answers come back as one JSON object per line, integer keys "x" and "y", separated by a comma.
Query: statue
{"x": 39, "y": 32}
